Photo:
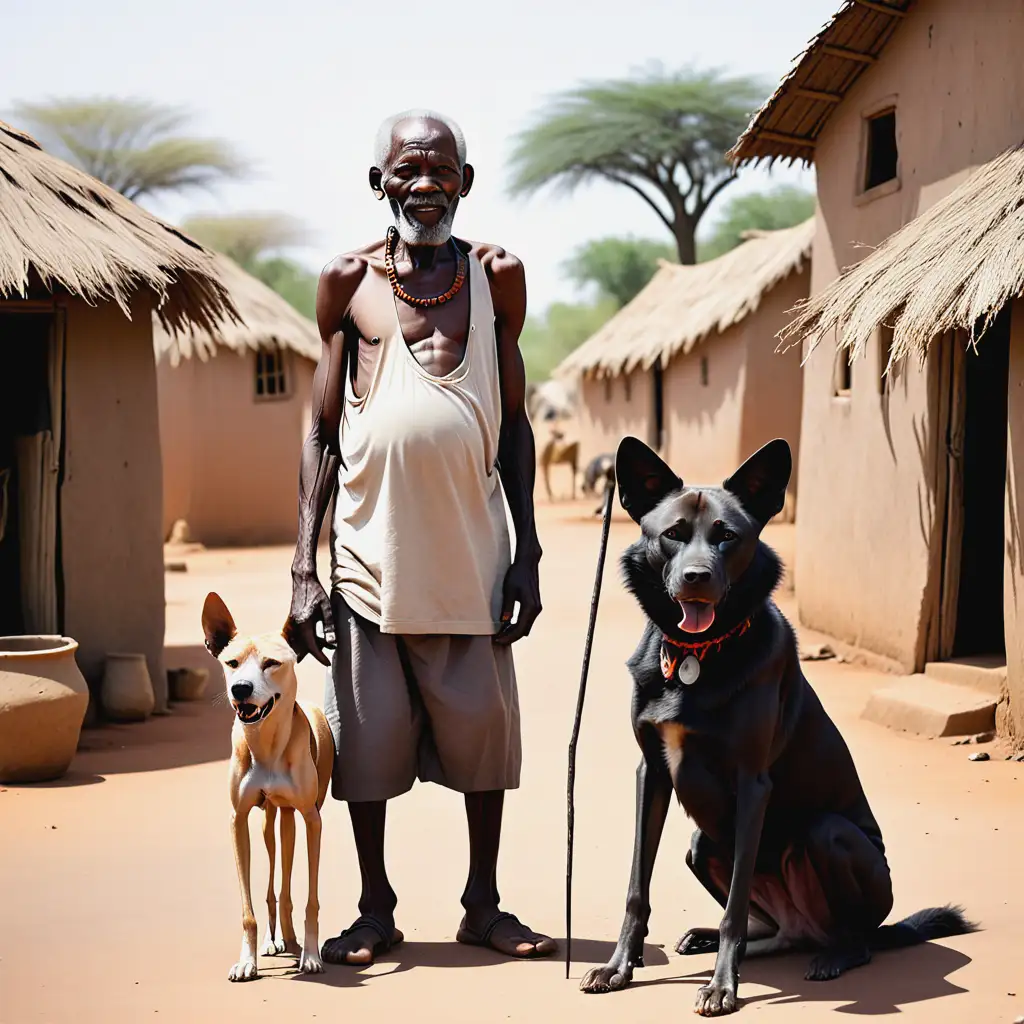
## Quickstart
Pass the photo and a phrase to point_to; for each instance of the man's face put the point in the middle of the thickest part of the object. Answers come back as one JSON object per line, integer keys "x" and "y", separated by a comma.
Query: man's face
{"x": 423, "y": 181}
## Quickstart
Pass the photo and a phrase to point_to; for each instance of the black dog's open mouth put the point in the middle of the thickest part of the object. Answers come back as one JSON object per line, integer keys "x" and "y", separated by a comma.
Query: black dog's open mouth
{"x": 698, "y": 616}
{"x": 250, "y": 714}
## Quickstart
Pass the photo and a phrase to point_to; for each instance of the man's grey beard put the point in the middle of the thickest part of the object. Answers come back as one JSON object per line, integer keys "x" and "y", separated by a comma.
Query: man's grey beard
{"x": 412, "y": 232}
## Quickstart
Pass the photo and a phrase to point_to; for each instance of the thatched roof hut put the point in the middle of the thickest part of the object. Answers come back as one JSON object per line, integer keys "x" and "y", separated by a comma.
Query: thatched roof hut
{"x": 788, "y": 124}
{"x": 265, "y": 320}
{"x": 83, "y": 271}
{"x": 685, "y": 305}
{"x": 254, "y": 398}
{"x": 690, "y": 364}
{"x": 61, "y": 229}
{"x": 954, "y": 267}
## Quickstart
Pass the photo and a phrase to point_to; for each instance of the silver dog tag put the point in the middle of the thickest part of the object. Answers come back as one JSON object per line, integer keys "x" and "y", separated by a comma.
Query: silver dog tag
{"x": 689, "y": 670}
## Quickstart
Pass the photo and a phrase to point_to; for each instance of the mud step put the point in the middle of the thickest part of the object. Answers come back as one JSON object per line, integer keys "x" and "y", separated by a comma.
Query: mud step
{"x": 986, "y": 673}
{"x": 932, "y": 707}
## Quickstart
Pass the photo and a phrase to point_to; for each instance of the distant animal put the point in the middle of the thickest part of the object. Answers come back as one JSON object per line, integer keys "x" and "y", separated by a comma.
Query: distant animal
{"x": 600, "y": 469}
{"x": 785, "y": 841}
{"x": 557, "y": 451}
{"x": 281, "y": 760}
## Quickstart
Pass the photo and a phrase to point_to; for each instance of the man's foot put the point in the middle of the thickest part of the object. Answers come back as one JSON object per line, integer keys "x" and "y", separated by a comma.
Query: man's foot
{"x": 359, "y": 944}
{"x": 506, "y": 934}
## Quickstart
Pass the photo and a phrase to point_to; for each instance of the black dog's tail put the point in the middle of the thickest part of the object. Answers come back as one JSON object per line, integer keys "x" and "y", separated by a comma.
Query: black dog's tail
{"x": 933, "y": 923}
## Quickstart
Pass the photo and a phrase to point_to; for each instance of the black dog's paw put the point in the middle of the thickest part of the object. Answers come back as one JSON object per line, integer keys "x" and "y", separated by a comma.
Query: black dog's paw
{"x": 831, "y": 963}
{"x": 714, "y": 1000}
{"x": 609, "y": 978}
{"x": 698, "y": 940}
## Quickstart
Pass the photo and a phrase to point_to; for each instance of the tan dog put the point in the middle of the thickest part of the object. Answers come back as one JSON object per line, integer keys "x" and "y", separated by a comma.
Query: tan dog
{"x": 559, "y": 452}
{"x": 281, "y": 759}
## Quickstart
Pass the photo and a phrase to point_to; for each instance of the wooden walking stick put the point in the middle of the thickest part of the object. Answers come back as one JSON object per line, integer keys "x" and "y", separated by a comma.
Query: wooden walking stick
{"x": 596, "y": 597}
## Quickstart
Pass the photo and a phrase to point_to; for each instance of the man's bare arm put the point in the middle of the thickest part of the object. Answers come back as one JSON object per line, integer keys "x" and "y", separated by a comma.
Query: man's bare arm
{"x": 517, "y": 457}
{"x": 320, "y": 461}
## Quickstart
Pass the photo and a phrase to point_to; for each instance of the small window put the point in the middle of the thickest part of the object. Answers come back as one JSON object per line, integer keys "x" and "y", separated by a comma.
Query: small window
{"x": 882, "y": 155}
{"x": 843, "y": 382}
{"x": 607, "y": 389}
{"x": 271, "y": 380}
{"x": 627, "y": 383}
{"x": 884, "y": 351}
{"x": 704, "y": 371}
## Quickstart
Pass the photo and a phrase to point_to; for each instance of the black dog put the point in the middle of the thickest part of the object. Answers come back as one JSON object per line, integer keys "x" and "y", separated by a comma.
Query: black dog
{"x": 724, "y": 716}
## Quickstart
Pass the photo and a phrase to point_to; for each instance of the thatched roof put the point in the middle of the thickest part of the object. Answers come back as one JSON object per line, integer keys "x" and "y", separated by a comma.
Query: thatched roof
{"x": 681, "y": 306}
{"x": 266, "y": 321}
{"x": 788, "y": 125}
{"x": 62, "y": 227}
{"x": 952, "y": 267}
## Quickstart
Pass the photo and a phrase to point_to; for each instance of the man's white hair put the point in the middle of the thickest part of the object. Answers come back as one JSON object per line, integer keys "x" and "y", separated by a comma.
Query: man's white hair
{"x": 385, "y": 134}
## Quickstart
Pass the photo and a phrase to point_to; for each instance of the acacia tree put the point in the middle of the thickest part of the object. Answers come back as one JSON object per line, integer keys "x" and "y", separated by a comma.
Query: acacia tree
{"x": 140, "y": 149}
{"x": 618, "y": 267}
{"x": 664, "y": 136}
{"x": 255, "y": 242}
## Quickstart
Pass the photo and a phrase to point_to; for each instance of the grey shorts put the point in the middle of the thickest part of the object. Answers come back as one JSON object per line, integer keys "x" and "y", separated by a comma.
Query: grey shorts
{"x": 443, "y": 709}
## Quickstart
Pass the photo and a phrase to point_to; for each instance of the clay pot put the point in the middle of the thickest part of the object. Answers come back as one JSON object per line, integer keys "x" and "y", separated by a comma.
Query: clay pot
{"x": 43, "y": 698}
{"x": 127, "y": 691}
{"x": 187, "y": 683}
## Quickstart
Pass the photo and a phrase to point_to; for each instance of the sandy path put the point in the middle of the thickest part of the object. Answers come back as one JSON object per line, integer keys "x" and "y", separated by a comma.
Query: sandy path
{"x": 120, "y": 903}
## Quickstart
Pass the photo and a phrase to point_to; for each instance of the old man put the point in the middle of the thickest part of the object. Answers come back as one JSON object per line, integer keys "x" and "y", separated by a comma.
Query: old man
{"x": 419, "y": 426}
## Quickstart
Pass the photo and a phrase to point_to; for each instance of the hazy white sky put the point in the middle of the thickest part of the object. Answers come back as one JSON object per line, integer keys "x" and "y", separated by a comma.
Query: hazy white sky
{"x": 301, "y": 85}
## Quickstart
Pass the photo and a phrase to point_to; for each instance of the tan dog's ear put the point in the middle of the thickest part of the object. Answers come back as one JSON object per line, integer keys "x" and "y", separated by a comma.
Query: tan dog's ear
{"x": 218, "y": 625}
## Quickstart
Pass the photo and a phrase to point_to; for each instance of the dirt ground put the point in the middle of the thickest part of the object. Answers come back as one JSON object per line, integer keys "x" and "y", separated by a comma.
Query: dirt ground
{"x": 119, "y": 900}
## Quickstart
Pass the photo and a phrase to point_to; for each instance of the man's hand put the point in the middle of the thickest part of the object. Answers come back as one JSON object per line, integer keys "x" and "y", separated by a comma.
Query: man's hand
{"x": 310, "y": 605}
{"x": 522, "y": 585}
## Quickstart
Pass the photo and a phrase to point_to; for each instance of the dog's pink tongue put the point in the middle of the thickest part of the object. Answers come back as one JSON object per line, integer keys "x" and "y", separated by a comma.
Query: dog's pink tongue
{"x": 697, "y": 616}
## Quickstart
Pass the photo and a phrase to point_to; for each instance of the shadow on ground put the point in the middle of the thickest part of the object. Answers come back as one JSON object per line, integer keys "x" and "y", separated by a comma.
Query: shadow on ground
{"x": 890, "y": 981}
{"x": 410, "y": 955}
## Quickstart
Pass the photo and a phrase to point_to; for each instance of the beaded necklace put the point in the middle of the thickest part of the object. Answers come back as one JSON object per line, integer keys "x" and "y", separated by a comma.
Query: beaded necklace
{"x": 416, "y": 300}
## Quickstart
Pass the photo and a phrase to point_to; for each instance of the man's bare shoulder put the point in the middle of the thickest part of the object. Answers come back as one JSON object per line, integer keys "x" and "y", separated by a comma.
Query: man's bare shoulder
{"x": 351, "y": 266}
{"x": 500, "y": 264}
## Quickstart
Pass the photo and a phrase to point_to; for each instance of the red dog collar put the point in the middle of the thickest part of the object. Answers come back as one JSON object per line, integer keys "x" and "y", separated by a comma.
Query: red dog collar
{"x": 702, "y": 647}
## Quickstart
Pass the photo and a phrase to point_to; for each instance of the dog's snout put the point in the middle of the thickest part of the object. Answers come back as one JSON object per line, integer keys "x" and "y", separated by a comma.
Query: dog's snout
{"x": 700, "y": 575}
{"x": 241, "y": 690}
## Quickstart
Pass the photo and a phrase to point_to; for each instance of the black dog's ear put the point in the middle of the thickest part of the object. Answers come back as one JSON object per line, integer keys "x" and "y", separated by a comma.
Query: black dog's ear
{"x": 760, "y": 483}
{"x": 643, "y": 479}
{"x": 218, "y": 625}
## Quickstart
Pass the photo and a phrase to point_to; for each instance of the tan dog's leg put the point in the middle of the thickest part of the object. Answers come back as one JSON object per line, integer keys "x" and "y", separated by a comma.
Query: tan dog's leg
{"x": 245, "y": 969}
{"x": 309, "y": 961}
{"x": 270, "y": 947}
{"x": 284, "y": 904}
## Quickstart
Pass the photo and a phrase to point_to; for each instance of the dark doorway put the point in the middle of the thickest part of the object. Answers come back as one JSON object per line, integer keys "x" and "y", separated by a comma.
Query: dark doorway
{"x": 24, "y": 411}
{"x": 658, "y": 420}
{"x": 979, "y": 612}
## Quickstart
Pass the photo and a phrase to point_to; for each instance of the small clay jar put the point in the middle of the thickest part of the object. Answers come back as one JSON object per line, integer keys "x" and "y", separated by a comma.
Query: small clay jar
{"x": 127, "y": 691}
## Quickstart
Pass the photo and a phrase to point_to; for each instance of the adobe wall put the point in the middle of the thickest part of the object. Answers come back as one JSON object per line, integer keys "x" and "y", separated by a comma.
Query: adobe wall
{"x": 607, "y": 414}
{"x": 704, "y": 421}
{"x": 231, "y": 460}
{"x": 111, "y": 500}
{"x": 775, "y": 380}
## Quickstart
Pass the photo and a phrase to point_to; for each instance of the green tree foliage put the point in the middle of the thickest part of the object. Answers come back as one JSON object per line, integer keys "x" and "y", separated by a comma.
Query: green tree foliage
{"x": 254, "y": 241}
{"x": 547, "y": 340}
{"x": 781, "y": 207}
{"x": 662, "y": 135}
{"x": 139, "y": 148}
{"x": 617, "y": 267}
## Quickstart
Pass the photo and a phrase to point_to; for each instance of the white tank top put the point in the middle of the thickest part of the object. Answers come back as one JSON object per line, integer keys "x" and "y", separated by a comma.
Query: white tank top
{"x": 419, "y": 541}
